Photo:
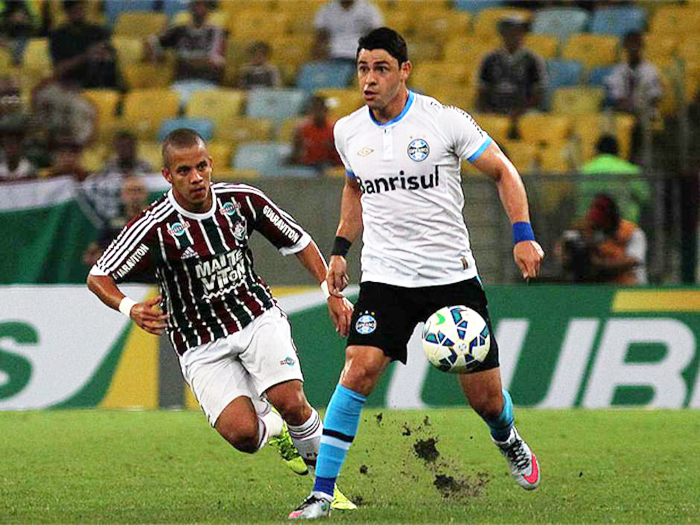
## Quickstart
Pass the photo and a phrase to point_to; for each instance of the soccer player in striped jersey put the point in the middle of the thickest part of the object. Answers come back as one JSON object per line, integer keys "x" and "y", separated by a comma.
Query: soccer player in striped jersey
{"x": 234, "y": 343}
{"x": 403, "y": 192}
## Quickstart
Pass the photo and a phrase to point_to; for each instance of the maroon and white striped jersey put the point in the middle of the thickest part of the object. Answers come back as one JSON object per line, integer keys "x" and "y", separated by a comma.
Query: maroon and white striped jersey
{"x": 202, "y": 261}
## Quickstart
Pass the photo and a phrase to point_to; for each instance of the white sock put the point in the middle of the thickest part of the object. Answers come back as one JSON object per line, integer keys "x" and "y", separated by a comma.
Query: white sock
{"x": 307, "y": 438}
{"x": 269, "y": 422}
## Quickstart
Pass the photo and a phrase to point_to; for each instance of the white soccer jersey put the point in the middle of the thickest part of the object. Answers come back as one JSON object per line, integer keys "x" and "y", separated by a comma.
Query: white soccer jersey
{"x": 409, "y": 173}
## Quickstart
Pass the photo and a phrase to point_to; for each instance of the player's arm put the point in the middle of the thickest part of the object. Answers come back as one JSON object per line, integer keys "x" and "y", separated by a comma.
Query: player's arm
{"x": 146, "y": 314}
{"x": 527, "y": 252}
{"x": 339, "y": 308}
{"x": 349, "y": 229}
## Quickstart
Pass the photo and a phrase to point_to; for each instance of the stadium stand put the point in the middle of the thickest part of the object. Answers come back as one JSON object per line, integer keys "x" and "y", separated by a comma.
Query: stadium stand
{"x": 618, "y": 21}
{"x": 560, "y": 22}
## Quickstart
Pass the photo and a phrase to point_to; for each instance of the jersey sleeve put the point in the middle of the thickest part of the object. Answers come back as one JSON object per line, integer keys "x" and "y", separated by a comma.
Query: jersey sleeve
{"x": 339, "y": 139}
{"x": 130, "y": 254}
{"x": 467, "y": 138}
{"x": 276, "y": 225}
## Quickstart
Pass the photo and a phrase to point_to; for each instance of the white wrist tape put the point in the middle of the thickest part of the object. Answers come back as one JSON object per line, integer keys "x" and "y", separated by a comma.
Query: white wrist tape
{"x": 324, "y": 289}
{"x": 126, "y": 305}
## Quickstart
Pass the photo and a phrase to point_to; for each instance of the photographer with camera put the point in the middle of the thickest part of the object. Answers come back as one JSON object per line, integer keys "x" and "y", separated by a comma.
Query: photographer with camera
{"x": 603, "y": 248}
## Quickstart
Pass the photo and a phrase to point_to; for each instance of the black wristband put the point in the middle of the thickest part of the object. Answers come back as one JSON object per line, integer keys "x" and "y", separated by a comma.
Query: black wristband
{"x": 341, "y": 246}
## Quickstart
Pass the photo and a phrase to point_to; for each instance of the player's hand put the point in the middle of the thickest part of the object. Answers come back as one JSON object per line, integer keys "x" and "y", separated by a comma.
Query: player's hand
{"x": 340, "y": 310}
{"x": 528, "y": 256}
{"x": 149, "y": 316}
{"x": 337, "y": 276}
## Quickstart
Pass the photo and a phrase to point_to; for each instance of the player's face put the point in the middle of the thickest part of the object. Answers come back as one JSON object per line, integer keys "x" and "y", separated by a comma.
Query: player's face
{"x": 380, "y": 78}
{"x": 189, "y": 172}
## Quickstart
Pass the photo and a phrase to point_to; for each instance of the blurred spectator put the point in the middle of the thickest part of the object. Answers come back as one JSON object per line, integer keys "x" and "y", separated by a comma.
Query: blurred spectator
{"x": 339, "y": 24}
{"x": 313, "y": 139}
{"x": 66, "y": 156}
{"x": 14, "y": 164}
{"x": 10, "y": 97}
{"x": 512, "y": 79}
{"x": 125, "y": 160}
{"x": 82, "y": 53}
{"x": 133, "y": 198}
{"x": 258, "y": 71}
{"x": 200, "y": 50}
{"x": 17, "y": 24}
{"x": 631, "y": 195}
{"x": 604, "y": 248}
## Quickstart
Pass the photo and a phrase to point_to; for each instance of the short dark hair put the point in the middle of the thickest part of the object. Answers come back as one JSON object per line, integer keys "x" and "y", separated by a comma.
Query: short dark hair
{"x": 607, "y": 144}
{"x": 180, "y": 138}
{"x": 386, "y": 39}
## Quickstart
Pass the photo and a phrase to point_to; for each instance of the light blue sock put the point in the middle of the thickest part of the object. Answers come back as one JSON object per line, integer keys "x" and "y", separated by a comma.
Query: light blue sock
{"x": 500, "y": 426}
{"x": 339, "y": 429}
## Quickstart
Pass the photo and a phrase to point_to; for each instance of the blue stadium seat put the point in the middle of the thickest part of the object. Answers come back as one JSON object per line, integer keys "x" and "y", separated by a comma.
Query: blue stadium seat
{"x": 324, "y": 74}
{"x": 173, "y": 7}
{"x": 265, "y": 157}
{"x": 204, "y": 127}
{"x": 276, "y": 104}
{"x": 618, "y": 20}
{"x": 563, "y": 73}
{"x": 113, "y": 8}
{"x": 474, "y": 6}
{"x": 560, "y": 22}
{"x": 596, "y": 77}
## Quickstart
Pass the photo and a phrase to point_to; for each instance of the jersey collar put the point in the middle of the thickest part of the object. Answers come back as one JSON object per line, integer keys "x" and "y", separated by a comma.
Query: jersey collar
{"x": 191, "y": 215}
{"x": 409, "y": 103}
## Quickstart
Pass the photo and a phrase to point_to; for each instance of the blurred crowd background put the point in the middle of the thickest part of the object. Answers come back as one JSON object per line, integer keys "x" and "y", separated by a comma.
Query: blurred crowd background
{"x": 591, "y": 100}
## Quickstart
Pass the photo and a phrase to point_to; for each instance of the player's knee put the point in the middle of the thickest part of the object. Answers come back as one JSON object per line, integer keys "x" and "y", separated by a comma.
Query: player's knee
{"x": 242, "y": 436}
{"x": 486, "y": 405}
{"x": 294, "y": 408}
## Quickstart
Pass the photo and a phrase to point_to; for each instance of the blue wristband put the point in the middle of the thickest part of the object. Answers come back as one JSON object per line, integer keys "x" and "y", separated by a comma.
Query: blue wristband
{"x": 522, "y": 231}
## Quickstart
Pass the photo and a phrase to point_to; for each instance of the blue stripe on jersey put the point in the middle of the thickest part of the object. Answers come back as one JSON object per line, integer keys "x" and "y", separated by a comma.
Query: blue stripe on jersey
{"x": 349, "y": 174}
{"x": 483, "y": 147}
{"x": 409, "y": 103}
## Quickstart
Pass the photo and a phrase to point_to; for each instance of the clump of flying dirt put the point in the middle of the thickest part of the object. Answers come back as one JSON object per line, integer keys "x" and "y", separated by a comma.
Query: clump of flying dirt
{"x": 426, "y": 449}
{"x": 364, "y": 469}
{"x": 379, "y": 418}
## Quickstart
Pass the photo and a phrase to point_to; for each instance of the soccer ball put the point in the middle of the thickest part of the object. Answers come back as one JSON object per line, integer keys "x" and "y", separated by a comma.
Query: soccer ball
{"x": 456, "y": 339}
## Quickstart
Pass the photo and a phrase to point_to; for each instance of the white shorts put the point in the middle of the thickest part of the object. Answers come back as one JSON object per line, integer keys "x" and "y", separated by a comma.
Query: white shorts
{"x": 245, "y": 363}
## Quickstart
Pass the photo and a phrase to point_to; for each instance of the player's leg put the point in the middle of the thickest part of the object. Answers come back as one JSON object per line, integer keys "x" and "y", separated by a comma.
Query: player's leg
{"x": 241, "y": 425}
{"x": 493, "y": 403}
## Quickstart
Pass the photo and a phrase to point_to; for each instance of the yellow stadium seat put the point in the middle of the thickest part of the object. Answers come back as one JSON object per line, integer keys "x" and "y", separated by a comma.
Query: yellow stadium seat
{"x": 218, "y": 105}
{"x": 430, "y": 76}
{"x": 216, "y": 18}
{"x": 546, "y": 46}
{"x": 140, "y": 24}
{"x": 341, "y": 101}
{"x": 5, "y": 59}
{"x": 234, "y": 174}
{"x": 675, "y": 20}
{"x": 300, "y": 14}
{"x": 591, "y": 50}
{"x": 336, "y": 172}
{"x": 106, "y": 102}
{"x": 94, "y": 157}
{"x": 437, "y": 23}
{"x": 36, "y": 58}
{"x": 248, "y": 25}
{"x": 129, "y": 50}
{"x": 469, "y": 48}
{"x": 290, "y": 52}
{"x": 462, "y": 97}
{"x": 238, "y": 130}
{"x": 589, "y": 128}
{"x": 151, "y": 152}
{"x": 659, "y": 46}
{"x": 486, "y": 22}
{"x": 689, "y": 48}
{"x": 424, "y": 50}
{"x": 497, "y": 126}
{"x": 144, "y": 109}
{"x": 148, "y": 75}
{"x": 522, "y": 154}
{"x": 220, "y": 152}
{"x": 542, "y": 129}
{"x": 577, "y": 100}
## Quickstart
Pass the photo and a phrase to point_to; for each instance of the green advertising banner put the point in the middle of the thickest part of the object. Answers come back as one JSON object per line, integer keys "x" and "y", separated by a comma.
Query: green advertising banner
{"x": 560, "y": 347}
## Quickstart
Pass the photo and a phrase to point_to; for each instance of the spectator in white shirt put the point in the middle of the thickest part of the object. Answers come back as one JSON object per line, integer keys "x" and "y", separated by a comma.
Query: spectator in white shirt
{"x": 340, "y": 23}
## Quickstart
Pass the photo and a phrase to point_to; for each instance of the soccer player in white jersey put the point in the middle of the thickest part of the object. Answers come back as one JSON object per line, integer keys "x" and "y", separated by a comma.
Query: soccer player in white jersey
{"x": 403, "y": 192}
{"x": 233, "y": 341}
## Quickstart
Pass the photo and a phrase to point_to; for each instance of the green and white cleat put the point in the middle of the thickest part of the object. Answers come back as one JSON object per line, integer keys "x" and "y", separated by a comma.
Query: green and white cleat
{"x": 340, "y": 501}
{"x": 289, "y": 453}
{"x": 317, "y": 505}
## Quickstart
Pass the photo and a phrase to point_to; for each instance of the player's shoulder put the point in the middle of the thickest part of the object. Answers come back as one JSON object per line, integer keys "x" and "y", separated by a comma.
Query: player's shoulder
{"x": 154, "y": 214}
{"x": 435, "y": 108}
{"x": 359, "y": 117}
{"x": 233, "y": 190}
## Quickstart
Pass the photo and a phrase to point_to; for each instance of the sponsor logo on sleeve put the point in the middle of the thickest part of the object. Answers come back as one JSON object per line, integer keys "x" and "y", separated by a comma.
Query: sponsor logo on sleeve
{"x": 288, "y": 361}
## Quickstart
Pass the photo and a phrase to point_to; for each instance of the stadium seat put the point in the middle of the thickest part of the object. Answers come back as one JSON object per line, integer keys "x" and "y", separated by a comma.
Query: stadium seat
{"x": 591, "y": 50}
{"x": 288, "y": 129}
{"x": 588, "y": 128}
{"x": 149, "y": 75}
{"x": 341, "y": 102}
{"x": 204, "y": 127}
{"x": 597, "y": 75}
{"x": 324, "y": 74}
{"x": 546, "y": 46}
{"x": 5, "y": 59}
{"x": 618, "y": 20}
{"x": 275, "y": 104}
{"x": 218, "y": 105}
{"x": 497, "y": 126}
{"x": 94, "y": 157}
{"x": 424, "y": 50}
{"x": 113, "y": 8}
{"x": 522, "y": 154}
{"x": 106, "y": 102}
{"x": 232, "y": 174}
{"x": 577, "y": 100}
{"x": 300, "y": 14}
{"x": 428, "y": 77}
{"x": 439, "y": 24}
{"x": 560, "y": 22}
{"x": 140, "y": 24}
{"x": 36, "y": 57}
{"x": 238, "y": 130}
{"x": 151, "y": 152}
{"x": 486, "y": 21}
{"x": 541, "y": 128}
{"x": 144, "y": 109}
{"x": 563, "y": 73}
{"x": 172, "y": 7}
{"x": 215, "y": 18}
{"x": 689, "y": 48}
{"x": 249, "y": 24}
{"x": 474, "y": 6}
{"x": 675, "y": 20}
{"x": 660, "y": 46}
{"x": 265, "y": 157}
{"x": 221, "y": 154}
{"x": 471, "y": 48}
{"x": 129, "y": 50}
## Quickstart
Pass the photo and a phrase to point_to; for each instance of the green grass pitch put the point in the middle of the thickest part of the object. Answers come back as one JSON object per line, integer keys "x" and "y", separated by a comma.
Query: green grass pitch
{"x": 607, "y": 466}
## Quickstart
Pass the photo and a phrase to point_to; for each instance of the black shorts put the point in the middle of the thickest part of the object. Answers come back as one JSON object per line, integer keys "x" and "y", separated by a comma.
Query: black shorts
{"x": 385, "y": 316}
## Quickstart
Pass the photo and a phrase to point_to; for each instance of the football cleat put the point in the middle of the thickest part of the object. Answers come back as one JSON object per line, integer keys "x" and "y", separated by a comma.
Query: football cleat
{"x": 522, "y": 462}
{"x": 317, "y": 505}
{"x": 289, "y": 453}
{"x": 340, "y": 501}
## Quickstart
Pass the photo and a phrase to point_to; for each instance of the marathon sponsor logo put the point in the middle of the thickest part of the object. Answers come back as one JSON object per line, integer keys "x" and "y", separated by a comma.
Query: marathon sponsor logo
{"x": 177, "y": 229}
{"x": 401, "y": 182}
{"x": 287, "y": 361}
{"x": 282, "y": 226}
{"x": 230, "y": 208}
{"x": 221, "y": 274}
{"x": 132, "y": 261}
